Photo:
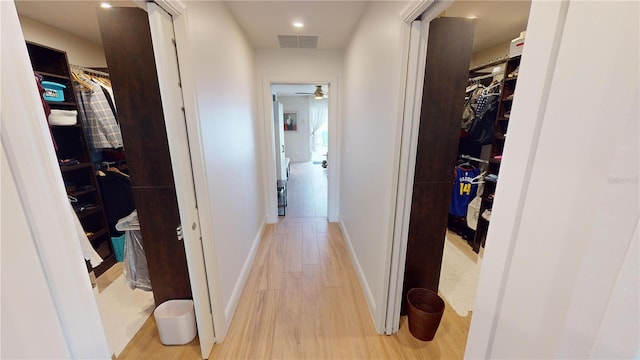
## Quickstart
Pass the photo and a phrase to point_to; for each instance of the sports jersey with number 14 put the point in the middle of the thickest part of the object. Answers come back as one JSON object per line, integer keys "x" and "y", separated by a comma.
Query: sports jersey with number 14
{"x": 463, "y": 190}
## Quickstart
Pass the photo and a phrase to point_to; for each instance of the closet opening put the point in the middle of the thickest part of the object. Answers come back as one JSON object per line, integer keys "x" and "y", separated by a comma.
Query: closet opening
{"x": 473, "y": 55}
{"x": 120, "y": 136}
{"x": 301, "y": 143}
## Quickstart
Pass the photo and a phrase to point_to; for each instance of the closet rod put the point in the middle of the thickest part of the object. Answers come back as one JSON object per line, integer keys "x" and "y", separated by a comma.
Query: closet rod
{"x": 97, "y": 72}
{"x": 491, "y": 64}
{"x": 486, "y": 76}
{"x": 474, "y": 159}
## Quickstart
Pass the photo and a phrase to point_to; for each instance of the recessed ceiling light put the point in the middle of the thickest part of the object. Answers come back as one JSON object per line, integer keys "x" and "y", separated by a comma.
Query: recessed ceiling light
{"x": 298, "y": 24}
{"x": 472, "y": 16}
{"x": 105, "y": 5}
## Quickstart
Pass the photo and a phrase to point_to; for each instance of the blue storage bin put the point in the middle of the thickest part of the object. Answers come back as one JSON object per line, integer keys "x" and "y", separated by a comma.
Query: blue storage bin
{"x": 118, "y": 247}
{"x": 53, "y": 91}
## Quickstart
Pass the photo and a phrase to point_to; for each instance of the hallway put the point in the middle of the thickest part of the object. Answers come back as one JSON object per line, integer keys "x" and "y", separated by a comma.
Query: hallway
{"x": 307, "y": 191}
{"x": 303, "y": 300}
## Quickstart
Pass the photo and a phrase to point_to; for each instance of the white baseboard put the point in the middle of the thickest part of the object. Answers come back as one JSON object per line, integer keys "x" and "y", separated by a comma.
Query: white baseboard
{"x": 356, "y": 264}
{"x": 242, "y": 280}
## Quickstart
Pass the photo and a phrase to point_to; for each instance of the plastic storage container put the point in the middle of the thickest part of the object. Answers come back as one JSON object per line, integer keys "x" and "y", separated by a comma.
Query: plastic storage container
{"x": 176, "y": 320}
{"x": 53, "y": 91}
{"x": 63, "y": 117}
{"x": 517, "y": 45}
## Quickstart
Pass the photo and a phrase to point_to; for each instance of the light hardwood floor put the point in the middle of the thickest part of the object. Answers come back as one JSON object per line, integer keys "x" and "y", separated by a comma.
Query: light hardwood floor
{"x": 307, "y": 191}
{"x": 303, "y": 300}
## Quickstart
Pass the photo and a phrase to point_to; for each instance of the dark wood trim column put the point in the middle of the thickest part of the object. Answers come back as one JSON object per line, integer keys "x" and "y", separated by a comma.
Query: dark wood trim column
{"x": 447, "y": 69}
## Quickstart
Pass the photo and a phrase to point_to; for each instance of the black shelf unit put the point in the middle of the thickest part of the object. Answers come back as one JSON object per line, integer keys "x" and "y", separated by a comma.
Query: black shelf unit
{"x": 505, "y": 102}
{"x": 80, "y": 179}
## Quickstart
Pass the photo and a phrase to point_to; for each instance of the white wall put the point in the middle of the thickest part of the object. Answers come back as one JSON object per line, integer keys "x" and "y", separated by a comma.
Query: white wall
{"x": 220, "y": 60}
{"x": 298, "y": 63}
{"x": 500, "y": 51}
{"x": 79, "y": 51}
{"x": 571, "y": 269}
{"x": 299, "y": 66}
{"x": 369, "y": 143}
{"x": 30, "y": 327}
{"x": 296, "y": 143}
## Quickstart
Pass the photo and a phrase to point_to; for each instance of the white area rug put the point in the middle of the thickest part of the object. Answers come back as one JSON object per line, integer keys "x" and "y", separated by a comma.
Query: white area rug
{"x": 123, "y": 312}
{"x": 458, "y": 279}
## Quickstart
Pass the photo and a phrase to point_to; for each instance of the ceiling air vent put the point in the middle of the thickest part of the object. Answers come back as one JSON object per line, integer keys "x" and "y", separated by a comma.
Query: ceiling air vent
{"x": 307, "y": 42}
{"x": 298, "y": 42}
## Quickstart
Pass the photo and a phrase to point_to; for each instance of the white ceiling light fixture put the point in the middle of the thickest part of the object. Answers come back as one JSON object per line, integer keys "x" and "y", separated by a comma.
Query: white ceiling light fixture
{"x": 298, "y": 24}
{"x": 105, "y": 5}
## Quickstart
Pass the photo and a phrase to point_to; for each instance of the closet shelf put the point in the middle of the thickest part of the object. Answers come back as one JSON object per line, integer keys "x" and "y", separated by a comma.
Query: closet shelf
{"x": 75, "y": 167}
{"x": 84, "y": 214}
{"x": 97, "y": 234}
{"x": 48, "y": 74}
{"x": 61, "y": 103}
{"x": 71, "y": 141}
{"x": 81, "y": 192}
{"x": 76, "y": 126}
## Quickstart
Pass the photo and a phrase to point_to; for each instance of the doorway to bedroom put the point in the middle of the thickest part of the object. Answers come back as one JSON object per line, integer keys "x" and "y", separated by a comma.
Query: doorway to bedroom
{"x": 301, "y": 139}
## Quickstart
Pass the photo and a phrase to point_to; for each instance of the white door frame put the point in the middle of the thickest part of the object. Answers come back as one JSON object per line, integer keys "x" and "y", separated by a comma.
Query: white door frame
{"x": 268, "y": 143}
{"x": 26, "y": 140}
{"x": 27, "y": 144}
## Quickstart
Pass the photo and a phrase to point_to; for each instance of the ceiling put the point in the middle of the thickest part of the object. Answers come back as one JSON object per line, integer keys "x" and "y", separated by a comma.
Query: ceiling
{"x": 333, "y": 21}
{"x": 77, "y": 17}
{"x": 497, "y": 22}
{"x": 293, "y": 89}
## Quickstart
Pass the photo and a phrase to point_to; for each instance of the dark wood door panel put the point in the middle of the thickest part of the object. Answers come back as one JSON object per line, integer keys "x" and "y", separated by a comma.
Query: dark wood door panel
{"x": 427, "y": 228}
{"x": 129, "y": 52}
{"x": 446, "y": 73}
{"x": 166, "y": 256}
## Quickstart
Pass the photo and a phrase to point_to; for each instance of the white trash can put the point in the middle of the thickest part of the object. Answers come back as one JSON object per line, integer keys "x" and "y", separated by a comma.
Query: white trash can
{"x": 176, "y": 322}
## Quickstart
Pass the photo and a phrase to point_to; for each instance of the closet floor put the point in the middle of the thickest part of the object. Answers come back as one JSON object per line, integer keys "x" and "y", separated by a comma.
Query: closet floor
{"x": 123, "y": 311}
{"x": 459, "y": 273}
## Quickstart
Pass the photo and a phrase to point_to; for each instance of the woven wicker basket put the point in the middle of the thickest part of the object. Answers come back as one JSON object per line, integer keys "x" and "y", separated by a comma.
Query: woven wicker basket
{"x": 425, "y": 312}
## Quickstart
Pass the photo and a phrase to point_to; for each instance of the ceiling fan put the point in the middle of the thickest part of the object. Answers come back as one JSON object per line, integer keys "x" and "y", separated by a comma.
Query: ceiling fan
{"x": 318, "y": 94}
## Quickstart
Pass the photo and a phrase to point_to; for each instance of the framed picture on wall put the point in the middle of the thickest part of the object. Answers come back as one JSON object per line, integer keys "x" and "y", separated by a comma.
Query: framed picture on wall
{"x": 290, "y": 121}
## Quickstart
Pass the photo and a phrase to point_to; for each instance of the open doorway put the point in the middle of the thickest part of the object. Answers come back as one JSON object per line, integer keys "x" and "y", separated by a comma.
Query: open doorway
{"x": 301, "y": 143}
{"x": 162, "y": 189}
{"x": 454, "y": 160}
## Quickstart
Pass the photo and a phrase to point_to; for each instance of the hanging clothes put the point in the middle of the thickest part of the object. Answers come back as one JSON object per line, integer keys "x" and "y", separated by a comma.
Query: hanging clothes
{"x": 103, "y": 131}
{"x": 136, "y": 271}
{"x": 482, "y": 130}
{"x": 117, "y": 198}
{"x": 464, "y": 189}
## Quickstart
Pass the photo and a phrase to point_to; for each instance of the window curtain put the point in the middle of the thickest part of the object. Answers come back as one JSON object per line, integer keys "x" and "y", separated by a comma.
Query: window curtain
{"x": 318, "y": 116}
